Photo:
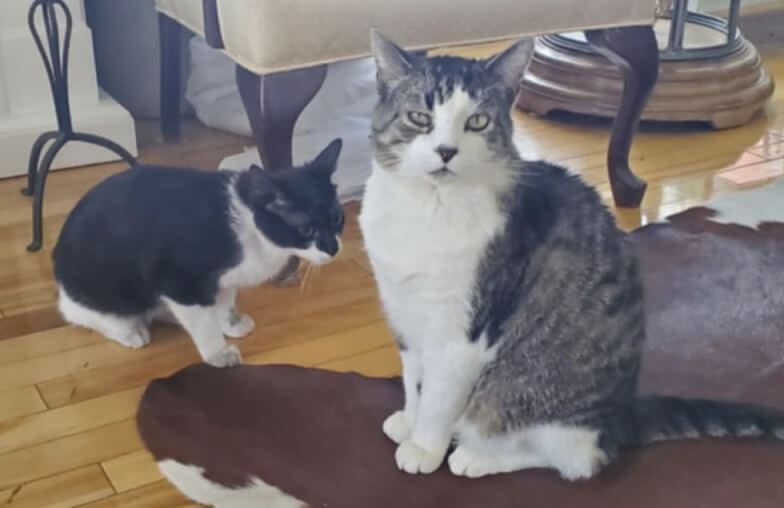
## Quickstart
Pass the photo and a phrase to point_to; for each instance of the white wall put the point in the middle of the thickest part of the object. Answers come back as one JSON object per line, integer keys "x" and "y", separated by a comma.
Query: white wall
{"x": 26, "y": 107}
{"x": 723, "y": 5}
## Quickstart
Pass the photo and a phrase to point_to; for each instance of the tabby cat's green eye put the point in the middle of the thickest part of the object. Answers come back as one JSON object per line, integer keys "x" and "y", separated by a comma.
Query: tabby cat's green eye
{"x": 419, "y": 119}
{"x": 477, "y": 122}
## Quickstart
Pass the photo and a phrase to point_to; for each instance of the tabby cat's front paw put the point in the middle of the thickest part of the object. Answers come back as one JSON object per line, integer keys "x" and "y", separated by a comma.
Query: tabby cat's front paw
{"x": 397, "y": 427}
{"x": 226, "y": 357}
{"x": 239, "y": 326}
{"x": 414, "y": 459}
{"x": 464, "y": 463}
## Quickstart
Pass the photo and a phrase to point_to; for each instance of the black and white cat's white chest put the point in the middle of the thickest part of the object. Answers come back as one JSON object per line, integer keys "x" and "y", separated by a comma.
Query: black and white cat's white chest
{"x": 259, "y": 258}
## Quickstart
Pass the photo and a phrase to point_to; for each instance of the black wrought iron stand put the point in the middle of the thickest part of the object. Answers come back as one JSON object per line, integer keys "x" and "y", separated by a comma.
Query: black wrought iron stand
{"x": 56, "y": 64}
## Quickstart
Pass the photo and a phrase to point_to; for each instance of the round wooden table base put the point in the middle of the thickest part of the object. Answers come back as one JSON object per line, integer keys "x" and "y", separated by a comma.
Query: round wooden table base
{"x": 725, "y": 91}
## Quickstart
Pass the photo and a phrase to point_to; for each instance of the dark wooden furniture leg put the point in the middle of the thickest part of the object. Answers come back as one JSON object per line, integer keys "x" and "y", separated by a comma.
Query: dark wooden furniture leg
{"x": 170, "y": 32}
{"x": 635, "y": 50}
{"x": 273, "y": 103}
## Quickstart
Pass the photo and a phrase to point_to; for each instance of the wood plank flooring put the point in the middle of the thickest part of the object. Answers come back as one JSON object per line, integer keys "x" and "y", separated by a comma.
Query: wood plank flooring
{"x": 68, "y": 396}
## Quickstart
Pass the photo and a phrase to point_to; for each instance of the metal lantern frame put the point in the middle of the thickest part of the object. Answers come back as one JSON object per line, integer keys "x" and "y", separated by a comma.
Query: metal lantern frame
{"x": 679, "y": 15}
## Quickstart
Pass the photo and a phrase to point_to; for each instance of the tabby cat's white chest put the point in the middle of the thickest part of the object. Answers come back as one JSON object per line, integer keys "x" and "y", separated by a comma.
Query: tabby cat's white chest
{"x": 424, "y": 245}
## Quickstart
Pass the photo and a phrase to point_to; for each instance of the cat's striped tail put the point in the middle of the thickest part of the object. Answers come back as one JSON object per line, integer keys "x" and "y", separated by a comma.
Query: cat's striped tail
{"x": 671, "y": 418}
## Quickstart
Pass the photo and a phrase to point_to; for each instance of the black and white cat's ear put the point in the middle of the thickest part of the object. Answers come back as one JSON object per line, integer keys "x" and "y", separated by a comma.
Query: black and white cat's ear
{"x": 392, "y": 61}
{"x": 259, "y": 184}
{"x": 509, "y": 65}
{"x": 257, "y": 173}
{"x": 328, "y": 158}
{"x": 266, "y": 172}
{"x": 259, "y": 178}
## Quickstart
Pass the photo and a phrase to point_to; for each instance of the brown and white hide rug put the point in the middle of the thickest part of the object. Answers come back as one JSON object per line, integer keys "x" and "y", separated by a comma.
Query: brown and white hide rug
{"x": 284, "y": 436}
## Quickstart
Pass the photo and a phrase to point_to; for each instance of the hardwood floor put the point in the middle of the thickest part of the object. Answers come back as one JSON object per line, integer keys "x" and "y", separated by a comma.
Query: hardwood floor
{"x": 68, "y": 396}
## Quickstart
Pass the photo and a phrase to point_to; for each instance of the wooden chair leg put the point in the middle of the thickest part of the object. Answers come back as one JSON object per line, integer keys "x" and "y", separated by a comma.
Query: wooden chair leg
{"x": 170, "y": 33}
{"x": 635, "y": 50}
{"x": 273, "y": 103}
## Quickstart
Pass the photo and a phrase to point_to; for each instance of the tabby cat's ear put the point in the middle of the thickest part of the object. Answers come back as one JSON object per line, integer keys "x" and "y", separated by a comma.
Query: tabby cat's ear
{"x": 392, "y": 61}
{"x": 510, "y": 65}
{"x": 327, "y": 160}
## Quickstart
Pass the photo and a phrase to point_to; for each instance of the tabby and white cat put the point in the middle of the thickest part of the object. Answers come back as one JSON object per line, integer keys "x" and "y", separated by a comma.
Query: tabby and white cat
{"x": 176, "y": 244}
{"x": 516, "y": 301}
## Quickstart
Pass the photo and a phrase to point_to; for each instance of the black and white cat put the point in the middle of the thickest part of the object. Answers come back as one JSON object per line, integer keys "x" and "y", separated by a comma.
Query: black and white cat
{"x": 176, "y": 244}
{"x": 515, "y": 299}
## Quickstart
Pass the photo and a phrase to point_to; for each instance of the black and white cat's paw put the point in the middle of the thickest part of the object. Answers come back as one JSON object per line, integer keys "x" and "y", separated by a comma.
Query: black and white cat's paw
{"x": 226, "y": 357}
{"x": 415, "y": 459}
{"x": 238, "y": 326}
{"x": 134, "y": 338}
{"x": 397, "y": 427}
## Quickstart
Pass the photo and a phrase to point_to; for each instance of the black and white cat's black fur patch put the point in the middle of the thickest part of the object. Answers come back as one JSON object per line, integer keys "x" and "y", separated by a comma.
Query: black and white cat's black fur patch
{"x": 516, "y": 301}
{"x": 176, "y": 244}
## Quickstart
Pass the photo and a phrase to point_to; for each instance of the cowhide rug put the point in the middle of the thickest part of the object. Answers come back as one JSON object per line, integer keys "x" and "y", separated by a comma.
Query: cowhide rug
{"x": 714, "y": 279}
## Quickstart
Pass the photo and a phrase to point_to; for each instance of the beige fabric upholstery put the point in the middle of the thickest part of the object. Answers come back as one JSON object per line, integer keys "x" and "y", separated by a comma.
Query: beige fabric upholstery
{"x": 274, "y": 35}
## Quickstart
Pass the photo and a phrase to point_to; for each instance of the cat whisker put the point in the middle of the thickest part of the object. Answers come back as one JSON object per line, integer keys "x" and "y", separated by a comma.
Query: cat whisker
{"x": 306, "y": 269}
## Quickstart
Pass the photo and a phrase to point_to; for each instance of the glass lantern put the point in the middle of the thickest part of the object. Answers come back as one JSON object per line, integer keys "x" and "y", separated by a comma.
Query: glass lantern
{"x": 682, "y": 34}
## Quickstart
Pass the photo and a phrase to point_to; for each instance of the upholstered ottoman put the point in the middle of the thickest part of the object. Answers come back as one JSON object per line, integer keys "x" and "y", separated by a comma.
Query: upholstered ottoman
{"x": 284, "y": 436}
{"x": 282, "y": 47}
